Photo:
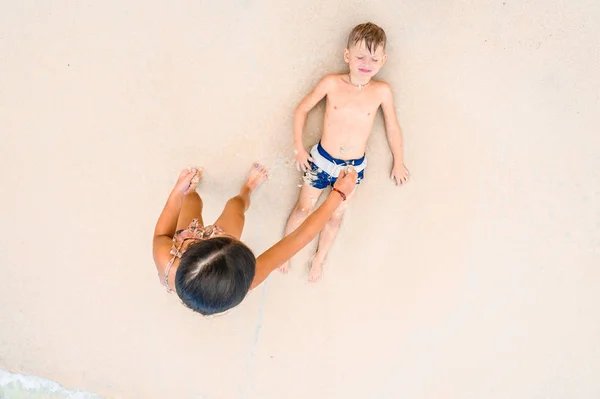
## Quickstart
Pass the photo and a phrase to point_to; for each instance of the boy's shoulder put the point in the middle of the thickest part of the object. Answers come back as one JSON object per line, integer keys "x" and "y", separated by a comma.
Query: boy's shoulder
{"x": 332, "y": 78}
{"x": 341, "y": 78}
{"x": 330, "y": 83}
{"x": 383, "y": 89}
{"x": 380, "y": 84}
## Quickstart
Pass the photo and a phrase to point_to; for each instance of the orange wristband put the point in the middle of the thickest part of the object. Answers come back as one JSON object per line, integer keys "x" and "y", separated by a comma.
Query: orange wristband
{"x": 341, "y": 193}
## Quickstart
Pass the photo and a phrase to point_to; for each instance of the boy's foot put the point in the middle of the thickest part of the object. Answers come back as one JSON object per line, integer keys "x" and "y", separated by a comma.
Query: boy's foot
{"x": 316, "y": 270}
{"x": 256, "y": 177}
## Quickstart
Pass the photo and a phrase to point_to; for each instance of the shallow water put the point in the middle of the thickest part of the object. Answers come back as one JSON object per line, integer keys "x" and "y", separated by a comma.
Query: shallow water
{"x": 18, "y": 386}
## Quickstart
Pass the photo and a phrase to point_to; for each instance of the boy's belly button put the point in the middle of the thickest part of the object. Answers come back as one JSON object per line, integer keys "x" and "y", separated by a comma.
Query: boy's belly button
{"x": 345, "y": 150}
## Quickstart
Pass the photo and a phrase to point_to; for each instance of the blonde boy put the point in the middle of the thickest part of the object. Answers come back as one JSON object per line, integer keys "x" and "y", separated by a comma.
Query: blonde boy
{"x": 352, "y": 101}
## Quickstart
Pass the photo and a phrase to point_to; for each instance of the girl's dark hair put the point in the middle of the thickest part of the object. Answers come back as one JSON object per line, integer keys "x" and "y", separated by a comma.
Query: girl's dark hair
{"x": 215, "y": 275}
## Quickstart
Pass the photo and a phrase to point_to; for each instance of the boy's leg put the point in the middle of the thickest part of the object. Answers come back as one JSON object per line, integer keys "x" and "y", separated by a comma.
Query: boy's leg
{"x": 326, "y": 240}
{"x": 232, "y": 218}
{"x": 306, "y": 203}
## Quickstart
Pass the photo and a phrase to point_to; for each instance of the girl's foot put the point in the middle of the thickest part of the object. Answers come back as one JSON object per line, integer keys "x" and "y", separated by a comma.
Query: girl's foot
{"x": 196, "y": 179}
{"x": 187, "y": 184}
{"x": 316, "y": 269}
{"x": 285, "y": 267}
{"x": 256, "y": 177}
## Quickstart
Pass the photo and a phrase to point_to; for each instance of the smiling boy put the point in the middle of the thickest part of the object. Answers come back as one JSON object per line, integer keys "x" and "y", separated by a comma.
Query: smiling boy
{"x": 352, "y": 101}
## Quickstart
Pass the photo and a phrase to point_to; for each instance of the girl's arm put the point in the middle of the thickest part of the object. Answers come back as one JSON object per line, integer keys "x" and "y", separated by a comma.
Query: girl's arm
{"x": 299, "y": 238}
{"x": 165, "y": 229}
{"x": 167, "y": 221}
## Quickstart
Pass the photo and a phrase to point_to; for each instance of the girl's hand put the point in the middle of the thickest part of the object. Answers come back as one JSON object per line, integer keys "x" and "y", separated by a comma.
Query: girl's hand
{"x": 347, "y": 180}
{"x": 301, "y": 156}
{"x": 188, "y": 180}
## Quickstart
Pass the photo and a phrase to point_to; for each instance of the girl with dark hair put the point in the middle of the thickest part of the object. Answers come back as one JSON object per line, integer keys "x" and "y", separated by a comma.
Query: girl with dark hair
{"x": 208, "y": 267}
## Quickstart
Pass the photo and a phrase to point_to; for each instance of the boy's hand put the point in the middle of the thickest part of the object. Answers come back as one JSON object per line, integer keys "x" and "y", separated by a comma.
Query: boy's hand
{"x": 301, "y": 156}
{"x": 399, "y": 173}
{"x": 188, "y": 181}
{"x": 347, "y": 180}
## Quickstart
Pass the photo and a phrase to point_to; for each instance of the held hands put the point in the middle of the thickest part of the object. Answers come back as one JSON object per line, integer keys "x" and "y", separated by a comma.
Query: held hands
{"x": 399, "y": 173}
{"x": 188, "y": 180}
{"x": 301, "y": 156}
{"x": 346, "y": 181}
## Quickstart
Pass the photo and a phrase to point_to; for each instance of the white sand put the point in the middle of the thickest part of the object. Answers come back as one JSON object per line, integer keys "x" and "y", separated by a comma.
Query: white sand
{"x": 479, "y": 279}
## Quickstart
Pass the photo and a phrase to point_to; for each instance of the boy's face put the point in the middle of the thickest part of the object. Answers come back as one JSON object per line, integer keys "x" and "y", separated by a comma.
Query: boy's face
{"x": 362, "y": 62}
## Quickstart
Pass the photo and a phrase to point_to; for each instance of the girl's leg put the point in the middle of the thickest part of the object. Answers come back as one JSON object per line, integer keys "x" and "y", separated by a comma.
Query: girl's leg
{"x": 326, "y": 240}
{"x": 232, "y": 218}
{"x": 306, "y": 203}
{"x": 190, "y": 209}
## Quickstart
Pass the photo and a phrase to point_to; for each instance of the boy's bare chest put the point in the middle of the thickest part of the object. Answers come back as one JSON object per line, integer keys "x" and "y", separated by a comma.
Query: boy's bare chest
{"x": 355, "y": 105}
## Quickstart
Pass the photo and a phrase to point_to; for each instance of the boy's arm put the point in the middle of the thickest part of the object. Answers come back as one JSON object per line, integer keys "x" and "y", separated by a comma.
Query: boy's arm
{"x": 308, "y": 103}
{"x": 392, "y": 127}
{"x": 394, "y": 134}
{"x": 295, "y": 241}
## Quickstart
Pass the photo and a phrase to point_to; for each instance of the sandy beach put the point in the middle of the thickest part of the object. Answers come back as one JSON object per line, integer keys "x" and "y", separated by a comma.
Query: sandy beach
{"x": 478, "y": 279}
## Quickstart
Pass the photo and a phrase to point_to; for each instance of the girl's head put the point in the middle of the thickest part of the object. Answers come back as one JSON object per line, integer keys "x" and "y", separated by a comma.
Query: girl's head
{"x": 215, "y": 275}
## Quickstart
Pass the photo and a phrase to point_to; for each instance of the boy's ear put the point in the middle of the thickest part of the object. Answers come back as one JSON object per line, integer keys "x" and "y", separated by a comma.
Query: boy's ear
{"x": 383, "y": 59}
{"x": 346, "y": 55}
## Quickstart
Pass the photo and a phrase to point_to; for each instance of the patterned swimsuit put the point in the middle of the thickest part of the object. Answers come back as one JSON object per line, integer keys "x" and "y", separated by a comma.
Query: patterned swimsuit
{"x": 194, "y": 232}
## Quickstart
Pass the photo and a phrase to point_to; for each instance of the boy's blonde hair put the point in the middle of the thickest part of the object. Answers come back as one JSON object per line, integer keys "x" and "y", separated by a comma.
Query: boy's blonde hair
{"x": 372, "y": 34}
